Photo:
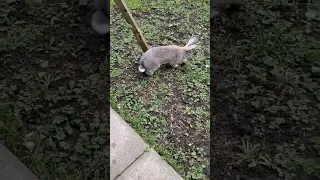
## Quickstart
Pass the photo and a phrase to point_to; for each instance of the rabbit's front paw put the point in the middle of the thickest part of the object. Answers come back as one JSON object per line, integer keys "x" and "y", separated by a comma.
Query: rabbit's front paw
{"x": 174, "y": 65}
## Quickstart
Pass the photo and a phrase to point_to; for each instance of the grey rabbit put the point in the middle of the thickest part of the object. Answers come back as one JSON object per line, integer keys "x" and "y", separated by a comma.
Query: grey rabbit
{"x": 174, "y": 55}
{"x": 100, "y": 20}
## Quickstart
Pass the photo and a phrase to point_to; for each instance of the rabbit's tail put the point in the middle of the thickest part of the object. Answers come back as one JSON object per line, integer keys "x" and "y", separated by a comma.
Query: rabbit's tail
{"x": 141, "y": 68}
{"x": 191, "y": 43}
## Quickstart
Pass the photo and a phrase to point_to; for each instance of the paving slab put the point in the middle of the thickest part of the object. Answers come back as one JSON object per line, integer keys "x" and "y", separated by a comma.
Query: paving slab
{"x": 125, "y": 145}
{"x": 150, "y": 166}
{"x": 11, "y": 168}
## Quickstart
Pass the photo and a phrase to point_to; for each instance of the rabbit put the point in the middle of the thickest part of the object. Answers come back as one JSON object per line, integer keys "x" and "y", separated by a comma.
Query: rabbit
{"x": 101, "y": 18}
{"x": 100, "y": 21}
{"x": 174, "y": 55}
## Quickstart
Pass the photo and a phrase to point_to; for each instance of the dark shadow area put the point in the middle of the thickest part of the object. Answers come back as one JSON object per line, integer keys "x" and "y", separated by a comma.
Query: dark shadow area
{"x": 265, "y": 104}
{"x": 54, "y": 90}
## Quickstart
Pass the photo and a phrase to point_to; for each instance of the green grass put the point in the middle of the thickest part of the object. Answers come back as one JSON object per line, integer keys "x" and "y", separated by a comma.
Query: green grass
{"x": 266, "y": 76}
{"x": 170, "y": 110}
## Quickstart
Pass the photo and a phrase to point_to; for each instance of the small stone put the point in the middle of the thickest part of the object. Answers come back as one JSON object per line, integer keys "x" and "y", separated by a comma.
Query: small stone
{"x": 45, "y": 64}
{"x": 310, "y": 14}
{"x": 29, "y": 145}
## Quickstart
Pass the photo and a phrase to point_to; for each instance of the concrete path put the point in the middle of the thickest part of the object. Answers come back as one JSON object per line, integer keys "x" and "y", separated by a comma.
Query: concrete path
{"x": 11, "y": 168}
{"x": 130, "y": 157}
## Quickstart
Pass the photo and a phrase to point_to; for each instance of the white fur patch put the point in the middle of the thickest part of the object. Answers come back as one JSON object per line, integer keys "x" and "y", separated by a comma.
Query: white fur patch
{"x": 100, "y": 28}
{"x": 141, "y": 68}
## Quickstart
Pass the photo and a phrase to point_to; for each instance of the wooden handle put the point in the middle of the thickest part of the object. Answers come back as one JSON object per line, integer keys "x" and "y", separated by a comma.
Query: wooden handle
{"x": 129, "y": 18}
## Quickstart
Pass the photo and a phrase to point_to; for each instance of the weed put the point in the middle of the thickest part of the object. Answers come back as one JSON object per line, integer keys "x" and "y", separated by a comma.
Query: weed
{"x": 248, "y": 154}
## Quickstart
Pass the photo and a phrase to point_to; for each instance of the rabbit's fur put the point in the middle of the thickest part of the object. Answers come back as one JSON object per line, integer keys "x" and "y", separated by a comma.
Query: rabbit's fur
{"x": 174, "y": 55}
{"x": 100, "y": 20}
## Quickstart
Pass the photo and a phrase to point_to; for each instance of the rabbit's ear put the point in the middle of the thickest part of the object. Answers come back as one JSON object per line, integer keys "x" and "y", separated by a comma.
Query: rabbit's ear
{"x": 193, "y": 36}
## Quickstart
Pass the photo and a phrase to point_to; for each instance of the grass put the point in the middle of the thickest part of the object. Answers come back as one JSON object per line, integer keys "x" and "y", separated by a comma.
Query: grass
{"x": 266, "y": 81}
{"x": 170, "y": 110}
{"x": 53, "y": 113}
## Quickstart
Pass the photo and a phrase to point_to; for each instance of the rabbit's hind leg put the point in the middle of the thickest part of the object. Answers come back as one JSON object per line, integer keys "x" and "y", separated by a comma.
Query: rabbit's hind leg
{"x": 184, "y": 60}
{"x": 149, "y": 73}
